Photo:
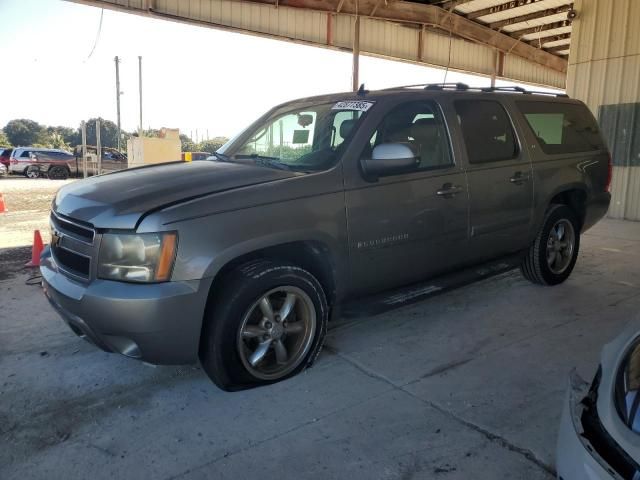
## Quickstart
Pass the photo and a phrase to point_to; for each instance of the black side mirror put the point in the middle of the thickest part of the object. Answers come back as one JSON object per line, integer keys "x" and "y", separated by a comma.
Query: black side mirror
{"x": 390, "y": 159}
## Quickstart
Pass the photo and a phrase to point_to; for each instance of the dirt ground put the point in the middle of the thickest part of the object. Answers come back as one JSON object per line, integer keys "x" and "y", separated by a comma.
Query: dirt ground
{"x": 28, "y": 202}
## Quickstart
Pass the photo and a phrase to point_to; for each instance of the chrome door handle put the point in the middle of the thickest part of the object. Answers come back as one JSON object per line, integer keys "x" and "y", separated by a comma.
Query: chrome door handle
{"x": 449, "y": 190}
{"x": 519, "y": 178}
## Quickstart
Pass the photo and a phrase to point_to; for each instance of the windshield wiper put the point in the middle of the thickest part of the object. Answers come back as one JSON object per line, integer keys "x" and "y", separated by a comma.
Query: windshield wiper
{"x": 222, "y": 157}
{"x": 266, "y": 161}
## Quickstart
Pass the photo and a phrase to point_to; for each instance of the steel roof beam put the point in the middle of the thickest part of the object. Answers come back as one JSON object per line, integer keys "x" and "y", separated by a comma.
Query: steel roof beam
{"x": 544, "y": 38}
{"x": 530, "y": 16}
{"x": 557, "y": 49}
{"x": 499, "y": 8}
{"x": 430, "y": 15}
{"x": 451, "y": 4}
{"x": 539, "y": 28}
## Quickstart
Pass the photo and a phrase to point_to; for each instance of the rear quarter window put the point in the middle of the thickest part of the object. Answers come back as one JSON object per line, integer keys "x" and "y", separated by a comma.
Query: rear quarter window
{"x": 561, "y": 127}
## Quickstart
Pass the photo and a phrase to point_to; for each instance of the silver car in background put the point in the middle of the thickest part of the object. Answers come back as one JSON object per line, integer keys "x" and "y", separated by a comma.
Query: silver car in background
{"x": 600, "y": 429}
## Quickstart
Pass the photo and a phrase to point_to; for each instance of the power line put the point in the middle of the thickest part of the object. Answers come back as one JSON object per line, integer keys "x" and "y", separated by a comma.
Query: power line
{"x": 95, "y": 43}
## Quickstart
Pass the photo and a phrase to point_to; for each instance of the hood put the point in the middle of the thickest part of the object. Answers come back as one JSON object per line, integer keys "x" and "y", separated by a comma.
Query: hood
{"x": 119, "y": 200}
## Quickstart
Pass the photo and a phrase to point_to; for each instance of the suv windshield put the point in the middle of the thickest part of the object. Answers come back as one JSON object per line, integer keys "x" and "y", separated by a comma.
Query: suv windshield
{"x": 307, "y": 138}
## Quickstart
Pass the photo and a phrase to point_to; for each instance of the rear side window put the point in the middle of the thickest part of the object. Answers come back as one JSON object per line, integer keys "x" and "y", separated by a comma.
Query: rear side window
{"x": 60, "y": 155}
{"x": 562, "y": 127}
{"x": 487, "y": 131}
{"x": 25, "y": 154}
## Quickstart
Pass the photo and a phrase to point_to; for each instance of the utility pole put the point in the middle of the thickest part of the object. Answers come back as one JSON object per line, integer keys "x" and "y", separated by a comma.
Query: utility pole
{"x": 83, "y": 130}
{"x": 117, "y": 60}
{"x": 140, "y": 88}
{"x": 98, "y": 147}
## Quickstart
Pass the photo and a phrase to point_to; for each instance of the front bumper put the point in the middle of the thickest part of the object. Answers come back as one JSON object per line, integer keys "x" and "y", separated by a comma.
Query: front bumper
{"x": 18, "y": 167}
{"x": 158, "y": 323}
{"x": 576, "y": 459}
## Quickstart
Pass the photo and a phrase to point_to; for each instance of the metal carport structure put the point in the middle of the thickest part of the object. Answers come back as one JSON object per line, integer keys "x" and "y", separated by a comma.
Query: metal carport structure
{"x": 523, "y": 40}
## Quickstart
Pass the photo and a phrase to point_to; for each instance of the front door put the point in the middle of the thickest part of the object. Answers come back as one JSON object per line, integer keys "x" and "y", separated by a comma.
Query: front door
{"x": 404, "y": 228}
{"x": 500, "y": 180}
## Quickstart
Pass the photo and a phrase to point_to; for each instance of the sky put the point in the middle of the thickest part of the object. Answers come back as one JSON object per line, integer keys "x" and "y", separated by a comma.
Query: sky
{"x": 197, "y": 79}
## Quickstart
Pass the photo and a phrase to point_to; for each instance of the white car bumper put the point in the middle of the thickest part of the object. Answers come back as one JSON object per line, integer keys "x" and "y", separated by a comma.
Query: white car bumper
{"x": 576, "y": 458}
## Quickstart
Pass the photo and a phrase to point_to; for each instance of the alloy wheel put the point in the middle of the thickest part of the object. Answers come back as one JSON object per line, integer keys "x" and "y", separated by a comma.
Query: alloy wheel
{"x": 560, "y": 246}
{"x": 277, "y": 332}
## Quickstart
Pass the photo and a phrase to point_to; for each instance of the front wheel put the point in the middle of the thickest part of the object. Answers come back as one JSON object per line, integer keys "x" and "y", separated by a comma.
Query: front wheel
{"x": 553, "y": 254}
{"x": 267, "y": 323}
{"x": 32, "y": 171}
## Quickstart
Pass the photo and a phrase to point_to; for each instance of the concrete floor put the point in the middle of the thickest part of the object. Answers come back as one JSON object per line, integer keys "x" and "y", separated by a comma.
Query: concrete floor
{"x": 467, "y": 384}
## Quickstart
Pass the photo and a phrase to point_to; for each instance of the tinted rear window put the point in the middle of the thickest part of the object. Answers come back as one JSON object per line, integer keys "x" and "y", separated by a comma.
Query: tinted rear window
{"x": 486, "y": 130}
{"x": 562, "y": 127}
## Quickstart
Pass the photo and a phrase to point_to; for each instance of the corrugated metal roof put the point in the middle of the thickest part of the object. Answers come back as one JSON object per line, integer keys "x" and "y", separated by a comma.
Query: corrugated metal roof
{"x": 525, "y": 20}
{"x": 523, "y": 10}
{"x": 546, "y": 33}
{"x": 422, "y": 34}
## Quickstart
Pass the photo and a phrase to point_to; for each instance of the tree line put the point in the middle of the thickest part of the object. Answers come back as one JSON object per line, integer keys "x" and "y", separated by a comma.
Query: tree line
{"x": 25, "y": 132}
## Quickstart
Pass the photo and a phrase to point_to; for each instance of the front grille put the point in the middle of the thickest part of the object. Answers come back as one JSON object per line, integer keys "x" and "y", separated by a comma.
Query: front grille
{"x": 75, "y": 228}
{"x": 71, "y": 261}
{"x": 72, "y": 245}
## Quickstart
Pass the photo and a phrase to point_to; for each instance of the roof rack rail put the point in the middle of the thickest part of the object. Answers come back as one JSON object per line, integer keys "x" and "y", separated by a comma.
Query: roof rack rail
{"x": 463, "y": 87}
{"x": 447, "y": 86}
{"x": 505, "y": 89}
{"x": 524, "y": 91}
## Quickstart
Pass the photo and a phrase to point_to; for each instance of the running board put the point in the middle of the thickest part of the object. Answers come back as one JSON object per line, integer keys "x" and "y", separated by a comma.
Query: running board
{"x": 392, "y": 299}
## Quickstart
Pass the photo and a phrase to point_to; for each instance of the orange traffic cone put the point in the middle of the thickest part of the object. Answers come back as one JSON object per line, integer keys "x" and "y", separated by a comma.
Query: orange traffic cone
{"x": 36, "y": 250}
{"x": 3, "y": 208}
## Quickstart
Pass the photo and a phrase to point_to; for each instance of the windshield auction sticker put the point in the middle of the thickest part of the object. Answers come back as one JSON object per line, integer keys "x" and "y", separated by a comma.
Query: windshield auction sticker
{"x": 357, "y": 105}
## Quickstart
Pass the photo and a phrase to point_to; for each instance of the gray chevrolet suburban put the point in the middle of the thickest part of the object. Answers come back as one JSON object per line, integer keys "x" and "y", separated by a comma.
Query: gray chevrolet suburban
{"x": 241, "y": 261}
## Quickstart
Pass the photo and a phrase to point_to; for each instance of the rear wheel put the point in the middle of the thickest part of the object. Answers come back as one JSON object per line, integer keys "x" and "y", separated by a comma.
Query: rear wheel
{"x": 267, "y": 323}
{"x": 553, "y": 254}
{"x": 58, "y": 173}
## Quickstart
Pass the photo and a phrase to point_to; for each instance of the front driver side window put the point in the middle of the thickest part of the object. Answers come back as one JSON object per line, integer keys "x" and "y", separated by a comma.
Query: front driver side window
{"x": 421, "y": 126}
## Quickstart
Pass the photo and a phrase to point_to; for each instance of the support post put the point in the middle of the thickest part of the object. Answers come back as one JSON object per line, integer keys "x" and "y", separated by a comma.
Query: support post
{"x": 140, "y": 91}
{"x": 495, "y": 69}
{"x": 117, "y": 60}
{"x": 98, "y": 147}
{"x": 356, "y": 53}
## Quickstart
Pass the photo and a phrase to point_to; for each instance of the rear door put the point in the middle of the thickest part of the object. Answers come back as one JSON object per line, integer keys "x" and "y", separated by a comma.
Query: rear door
{"x": 404, "y": 228}
{"x": 500, "y": 179}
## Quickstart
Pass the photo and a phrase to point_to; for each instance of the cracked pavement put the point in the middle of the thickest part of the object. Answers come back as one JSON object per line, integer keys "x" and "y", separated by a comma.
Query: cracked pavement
{"x": 466, "y": 384}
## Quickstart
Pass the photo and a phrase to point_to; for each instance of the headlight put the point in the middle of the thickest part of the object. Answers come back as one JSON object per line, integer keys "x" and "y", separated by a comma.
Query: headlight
{"x": 628, "y": 389}
{"x": 145, "y": 257}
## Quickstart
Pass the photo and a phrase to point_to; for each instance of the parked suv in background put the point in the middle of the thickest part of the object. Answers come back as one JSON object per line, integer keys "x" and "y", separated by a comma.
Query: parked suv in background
{"x": 240, "y": 261}
{"x": 32, "y": 162}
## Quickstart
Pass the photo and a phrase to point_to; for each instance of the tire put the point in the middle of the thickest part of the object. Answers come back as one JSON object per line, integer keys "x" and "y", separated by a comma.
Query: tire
{"x": 58, "y": 173}
{"x": 553, "y": 254}
{"x": 237, "y": 331}
{"x": 32, "y": 171}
